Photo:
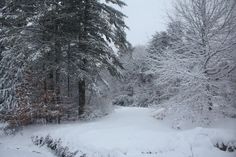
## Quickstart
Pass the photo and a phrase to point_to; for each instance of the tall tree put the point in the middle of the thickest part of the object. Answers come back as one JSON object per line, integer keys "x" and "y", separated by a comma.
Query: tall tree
{"x": 87, "y": 29}
{"x": 18, "y": 43}
{"x": 206, "y": 26}
{"x": 193, "y": 72}
{"x": 100, "y": 27}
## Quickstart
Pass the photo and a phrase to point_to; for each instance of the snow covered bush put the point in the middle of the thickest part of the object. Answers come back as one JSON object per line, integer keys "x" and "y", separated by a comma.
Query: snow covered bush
{"x": 54, "y": 145}
{"x": 2, "y": 128}
{"x": 123, "y": 100}
{"x": 229, "y": 147}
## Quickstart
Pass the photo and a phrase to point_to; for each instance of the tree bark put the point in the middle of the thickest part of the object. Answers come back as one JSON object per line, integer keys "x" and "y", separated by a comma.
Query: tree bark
{"x": 81, "y": 86}
{"x": 57, "y": 71}
{"x": 83, "y": 36}
{"x": 68, "y": 71}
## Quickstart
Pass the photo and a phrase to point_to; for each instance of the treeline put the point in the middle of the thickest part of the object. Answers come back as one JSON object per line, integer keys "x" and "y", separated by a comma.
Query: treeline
{"x": 51, "y": 56}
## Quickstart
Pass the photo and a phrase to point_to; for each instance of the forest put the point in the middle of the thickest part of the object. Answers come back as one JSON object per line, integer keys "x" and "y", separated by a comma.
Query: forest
{"x": 67, "y": 66}
{"x": 53, "y": 54}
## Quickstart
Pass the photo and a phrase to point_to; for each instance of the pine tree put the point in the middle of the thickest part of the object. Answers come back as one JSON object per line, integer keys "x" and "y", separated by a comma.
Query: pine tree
{"x": 17, "y": 50}
{"x": 46, "y": 43}
{"x": 100, "y": 26}
{"x": 86, "y": 30}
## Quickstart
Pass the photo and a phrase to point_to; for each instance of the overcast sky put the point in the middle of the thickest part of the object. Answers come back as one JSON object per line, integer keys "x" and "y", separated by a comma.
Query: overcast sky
{"x": 145, "y": 17}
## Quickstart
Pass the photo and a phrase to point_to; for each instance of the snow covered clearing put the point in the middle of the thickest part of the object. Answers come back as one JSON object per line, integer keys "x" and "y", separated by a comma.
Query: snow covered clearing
{"x": 127, "y": 132}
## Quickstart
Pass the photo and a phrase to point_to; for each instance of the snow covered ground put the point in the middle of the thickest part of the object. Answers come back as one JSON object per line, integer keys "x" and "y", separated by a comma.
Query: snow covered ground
{"x": 127, "y": 132}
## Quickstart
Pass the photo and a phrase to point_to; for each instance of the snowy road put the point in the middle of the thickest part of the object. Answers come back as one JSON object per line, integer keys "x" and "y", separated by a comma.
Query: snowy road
{"x": 127, "y": 132}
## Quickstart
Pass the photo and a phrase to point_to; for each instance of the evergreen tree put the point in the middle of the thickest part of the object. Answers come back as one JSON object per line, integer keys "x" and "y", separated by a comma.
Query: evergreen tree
{"x": 160, "y": 42}
{"x": 46, "y": 43}
{"x": 100, "y": 26}
{"x": 17, "y": 38}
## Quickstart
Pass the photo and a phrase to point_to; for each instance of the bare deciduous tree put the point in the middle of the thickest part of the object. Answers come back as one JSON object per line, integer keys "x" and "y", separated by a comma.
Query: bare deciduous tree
{"x": 208, "y": 26}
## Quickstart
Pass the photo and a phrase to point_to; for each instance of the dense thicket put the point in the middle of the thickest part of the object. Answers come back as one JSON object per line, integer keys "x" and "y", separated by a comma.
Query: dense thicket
{"x": 52, "y": 53}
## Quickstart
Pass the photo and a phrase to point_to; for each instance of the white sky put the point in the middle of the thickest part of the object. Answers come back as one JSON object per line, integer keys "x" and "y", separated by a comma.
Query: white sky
{"x": 145, "y": 17}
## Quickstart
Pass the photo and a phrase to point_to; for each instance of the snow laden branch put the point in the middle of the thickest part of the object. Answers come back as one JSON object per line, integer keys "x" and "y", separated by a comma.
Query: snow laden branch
{"x": 194, "y": 61}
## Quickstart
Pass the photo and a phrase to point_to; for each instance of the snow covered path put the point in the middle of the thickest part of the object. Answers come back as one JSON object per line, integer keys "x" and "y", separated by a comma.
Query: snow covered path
{"x": 128, "y": 132}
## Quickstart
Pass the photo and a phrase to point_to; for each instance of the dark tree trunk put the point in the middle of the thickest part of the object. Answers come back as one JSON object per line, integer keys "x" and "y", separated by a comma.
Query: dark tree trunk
{"x": 57, "y": 86}
{"x": 83, "y": 36}
{"x": 2, "y": 3}
{"x": 45, "y": 99}
{"x": 81, "y": 86}
{"x": 57, "y": 71}
{"x": 68, "y": 71}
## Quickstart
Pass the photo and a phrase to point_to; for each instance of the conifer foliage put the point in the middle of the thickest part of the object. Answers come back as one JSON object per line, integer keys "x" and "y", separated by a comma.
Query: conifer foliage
{"x": 52, "y": 51}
